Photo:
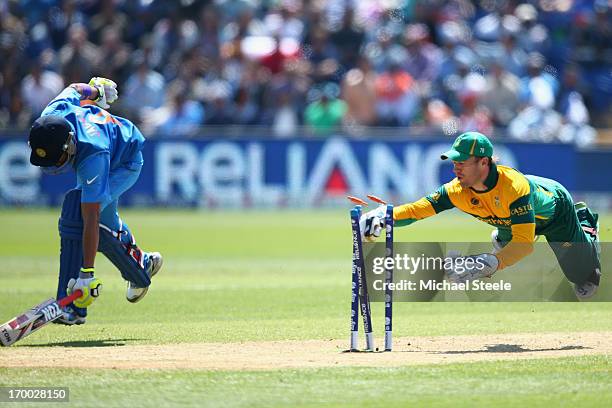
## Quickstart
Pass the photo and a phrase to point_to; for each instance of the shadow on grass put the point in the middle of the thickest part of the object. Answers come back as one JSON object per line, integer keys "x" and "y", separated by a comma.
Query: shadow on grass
{"x": 511, "y": 348}
{"x": 494, "y": 348}
{"x": 87, "y": 343}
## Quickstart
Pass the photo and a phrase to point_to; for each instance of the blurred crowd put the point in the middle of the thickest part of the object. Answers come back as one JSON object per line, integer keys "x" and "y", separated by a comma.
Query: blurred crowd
{"x": 538, "y": 70}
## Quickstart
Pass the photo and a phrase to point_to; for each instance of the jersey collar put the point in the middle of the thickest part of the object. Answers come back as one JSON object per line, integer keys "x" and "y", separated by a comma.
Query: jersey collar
{"x": 491, "y": 180}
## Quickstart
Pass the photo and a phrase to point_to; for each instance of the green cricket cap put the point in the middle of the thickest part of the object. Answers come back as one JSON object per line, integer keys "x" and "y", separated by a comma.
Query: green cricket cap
{"x": 469, "y": 144}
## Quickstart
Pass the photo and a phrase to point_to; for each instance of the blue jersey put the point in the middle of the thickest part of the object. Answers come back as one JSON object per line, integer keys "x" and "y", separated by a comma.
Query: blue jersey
{"x": 104, "y": 143}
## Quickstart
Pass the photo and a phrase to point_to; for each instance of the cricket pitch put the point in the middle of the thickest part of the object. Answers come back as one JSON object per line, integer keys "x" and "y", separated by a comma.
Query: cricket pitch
{"x": 273, "y": 355}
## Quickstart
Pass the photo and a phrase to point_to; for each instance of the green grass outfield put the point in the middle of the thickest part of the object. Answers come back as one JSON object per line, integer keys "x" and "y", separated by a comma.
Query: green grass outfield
{"x": 237, "y": 276}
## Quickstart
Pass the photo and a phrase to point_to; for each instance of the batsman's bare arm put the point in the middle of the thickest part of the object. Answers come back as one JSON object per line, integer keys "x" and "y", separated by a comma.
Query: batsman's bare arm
{"x": 91, "y": 231}
{"x": 86, "y": 91}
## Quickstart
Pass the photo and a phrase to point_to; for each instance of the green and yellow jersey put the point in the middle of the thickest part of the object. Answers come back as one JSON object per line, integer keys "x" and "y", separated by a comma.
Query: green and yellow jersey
{"x": 518, "y": 205}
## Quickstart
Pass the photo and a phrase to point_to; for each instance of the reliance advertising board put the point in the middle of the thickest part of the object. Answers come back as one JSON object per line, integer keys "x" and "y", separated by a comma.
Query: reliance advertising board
{"x": 298, "y": 172}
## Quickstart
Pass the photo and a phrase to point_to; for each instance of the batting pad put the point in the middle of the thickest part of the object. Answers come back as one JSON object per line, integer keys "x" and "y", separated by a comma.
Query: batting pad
{"x": 70, "y": 227}
{"x": 120, "y": 248}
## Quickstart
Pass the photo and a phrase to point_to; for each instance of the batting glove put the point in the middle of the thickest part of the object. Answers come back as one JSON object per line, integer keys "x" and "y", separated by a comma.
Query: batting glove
{"x": 372, "y": 223}
{"x": 107, "y": 91}
{"x": 91, "y": 288}
{"x": 468, "y": 268}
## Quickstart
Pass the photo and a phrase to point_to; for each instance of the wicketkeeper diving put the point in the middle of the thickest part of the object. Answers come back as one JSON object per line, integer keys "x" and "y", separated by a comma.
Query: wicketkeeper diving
{"x": 521, "y": 207}
{"x": 106, "y": 153}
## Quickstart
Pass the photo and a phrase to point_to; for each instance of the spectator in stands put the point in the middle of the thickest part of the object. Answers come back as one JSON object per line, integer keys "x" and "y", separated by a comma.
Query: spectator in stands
{"x": 233, "y": 63}
{"x": 78, "y": 56}
{"x": 571, "y": 81}
{"x": 383, "y": 48}
{"x": 38, "y": 88}
{"x": 511, "y": 56}
{"x": 575, "y": 128}
{"x": 208, "y": 26}
{"x": 285, "y": 120}
{"x": 113, "y": 57}
{"x": 454, "y": 36}
{"x": 323, "y": 57}
{"x": 591, "y": 33}
{"x": 243, "y": 108}
{"x": 359, "y": 93}
{"x": 245, "y": 24}
{"x": 219, "y": 109}
{"x": 348, "y": 40}
{"x": 171, "y": 36}
{"x": 533, "y": 36}
{"x": 538, "y": 87}
{"x": 423, "y": 58}
{"x": 537, "y": 120}
{"x": 209, "y": 45}
{"x": 501, "y": 95}
{"x": 573, "y": 109}
{"x": 13, "y": 112}
{"x": 325, "y": 114}
{"x": 439, "y": 117}
{"x": 12, "y": 42}
{"x": 275, "y": 60}
{"x": 449, "y": 87}
{"x": 591, "y": 48}
{"x": 474, "y": 116}
{"x": 109, "y": 16}
{"x": 283, "y": 21}
{"x": 397, "y": 101}
{"x": 62, "y": 19}
{"x": 282, "y": 100}
{"x": 143, "y": 91}
{"x": 180, "y": 116}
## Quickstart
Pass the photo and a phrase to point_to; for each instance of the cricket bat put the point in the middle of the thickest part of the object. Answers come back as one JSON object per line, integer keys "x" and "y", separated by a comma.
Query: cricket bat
{"x": 34, "y": 319}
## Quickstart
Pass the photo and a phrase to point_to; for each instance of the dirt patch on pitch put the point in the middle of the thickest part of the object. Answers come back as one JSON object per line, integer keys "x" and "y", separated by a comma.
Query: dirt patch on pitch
{"x": 269, "y": 355}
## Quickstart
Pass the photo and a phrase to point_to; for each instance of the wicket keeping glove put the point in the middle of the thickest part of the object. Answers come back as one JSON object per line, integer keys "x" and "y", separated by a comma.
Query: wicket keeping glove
{"x": 91, "y": 288}
{"x": 468, "y": 268}
{"x": 107, "y": 91}
{"x": 372, "y": 223}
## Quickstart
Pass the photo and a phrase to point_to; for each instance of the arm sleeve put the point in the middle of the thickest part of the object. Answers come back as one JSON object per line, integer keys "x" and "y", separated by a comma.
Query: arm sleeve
{"x": 522, "y": 217}
{"x": 92, "y": 177}
{"x": 425, "y": 207}
{"x": 69, "y": 96}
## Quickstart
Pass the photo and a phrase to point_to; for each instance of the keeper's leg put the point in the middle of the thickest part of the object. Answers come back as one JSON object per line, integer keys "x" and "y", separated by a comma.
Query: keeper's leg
{"x": 574, "y": 240}
{"x": 589, "y": 221}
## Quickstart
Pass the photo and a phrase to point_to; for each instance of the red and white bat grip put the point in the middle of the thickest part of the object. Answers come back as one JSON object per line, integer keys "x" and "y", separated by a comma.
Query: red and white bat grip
{"x": 70, "y": 298}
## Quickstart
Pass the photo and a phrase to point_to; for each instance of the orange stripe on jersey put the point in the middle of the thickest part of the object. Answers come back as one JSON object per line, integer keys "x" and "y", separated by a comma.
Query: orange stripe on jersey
{"x": 103, "y": 117}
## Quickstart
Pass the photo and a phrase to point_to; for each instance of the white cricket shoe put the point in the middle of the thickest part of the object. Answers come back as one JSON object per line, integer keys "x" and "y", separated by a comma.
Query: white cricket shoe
{"x": 134, "y": 293}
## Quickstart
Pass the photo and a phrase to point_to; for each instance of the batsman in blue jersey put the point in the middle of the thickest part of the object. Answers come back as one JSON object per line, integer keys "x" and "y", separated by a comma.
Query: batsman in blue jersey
{"x": 105, "y": 151}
